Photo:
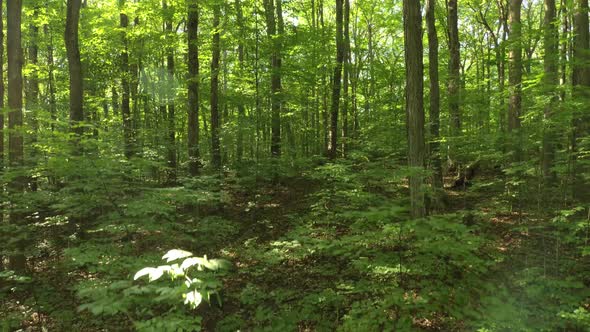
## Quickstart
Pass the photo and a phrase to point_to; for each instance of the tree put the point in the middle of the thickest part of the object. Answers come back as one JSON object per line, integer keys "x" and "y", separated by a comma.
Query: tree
{"x": 74, "y": 67}
{"x": 550, "y": 83}
{"x": 215, "y": 57}
{"x": 434, "y": 111}
{"x": 15, "y": 115}
{"x": 515, "y": 74}
{"x": 454, "y": 84}
{"x": 414, "y": 102}
{"x": 241, "y": 108}
{"x": 346, "y": 78}
{"x": 125, "y": 75}
{"x": 581, "y": 84}
{"x": 275, "y": 64}
{"x": 336, "y": 81}
{"x": 193, "y": 87}
{"x": 171, "y": 95}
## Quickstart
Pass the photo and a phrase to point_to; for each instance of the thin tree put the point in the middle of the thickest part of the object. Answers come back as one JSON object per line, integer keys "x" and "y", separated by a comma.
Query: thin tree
{"x": 515, "y": 74}
{"x": 215, "y": 57}
{"x": 454, "y": 83}
{"x": 275, "y": 63}
{"x": 550, "y": 83}
{"x": 193, "y": 87}
{"x": 171, "y": 114}
{"x": 336, "y": 81}
{"x": 125, "y": 74}
{"x": 581, "y": 83}
{"x": 414, "y": 102}
{"x": 241, "y": 109}
{"x": 74, "y": 67}
{"x": 15, "y": 115}
{"x": 346, "y": 77}
{"x": 434, "y": 111}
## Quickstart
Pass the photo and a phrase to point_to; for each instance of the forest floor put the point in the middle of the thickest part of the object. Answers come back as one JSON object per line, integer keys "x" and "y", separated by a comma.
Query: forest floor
{"x": 294, "y": 272}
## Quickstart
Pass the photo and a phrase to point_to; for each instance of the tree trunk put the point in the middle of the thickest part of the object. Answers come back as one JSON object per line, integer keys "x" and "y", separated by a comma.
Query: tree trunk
{"x": 193, "y": 87}
{"x": 515, "y": 74}
{"x": 32, "y": 91}
{"x": 15, "y": 115}
{"x": 550, "y": 83}
{"x": 336, "y": 82}
{"x": 345, "y": 86}
{"x": 414, "y": 102}
{"x": 125, "y": 75}
{"x": 434, "y": 111}
{"x": 241, "y": 110}
{"x": 581, "y": 84}
{"x": 75, "y": 67}
{"x": 275, "y": 61}
{"x": 170, "y": 96}
{"x": 216, "y": 54}
{"x": 51, "y": 77}
{"x": 454, "y": 84}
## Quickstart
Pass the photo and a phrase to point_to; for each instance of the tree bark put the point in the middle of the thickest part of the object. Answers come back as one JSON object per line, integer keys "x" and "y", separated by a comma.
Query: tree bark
{"x": 581, "y": 84}
{"x": 171, "y": 116}
{"x": 241, "y": 110}
{"x": 193, "y": 87}
{"x": 125, "y": 75}
{"x": 75, "y": 67}
{"x": 346, "y": 78}
{"x": 414, "y": 102}
{"x": 434, "y": 111}
{"x": 275, "y": 63}
{"x": 336, "y": 81}
{"x": 216, "y": 54}
{"x": 454, "y": 84}
{"x": 15, "y": 115}
{"x": 550, "y": 83}
{"x": 515, "y": 72}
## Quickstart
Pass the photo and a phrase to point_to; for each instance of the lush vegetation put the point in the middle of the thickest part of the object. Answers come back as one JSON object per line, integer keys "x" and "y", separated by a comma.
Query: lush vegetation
{"x": 297, "y": 165}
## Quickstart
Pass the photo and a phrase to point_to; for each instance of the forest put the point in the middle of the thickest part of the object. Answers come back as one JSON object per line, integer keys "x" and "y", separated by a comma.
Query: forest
{"x": 294, "y": 165}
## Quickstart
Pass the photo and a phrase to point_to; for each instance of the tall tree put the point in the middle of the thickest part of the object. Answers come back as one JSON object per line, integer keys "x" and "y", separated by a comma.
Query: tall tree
{"x": 515, "y": 73}
{"x": 454, "y": 83}
{"x": 193, "y": 87}
{"x": 581, "y": 83}
{"x": 550, "y": 83}
{"x": 336, "y": 81}
{"x": 275, "y": 63}
{"x": 15, "y": 115}
{"x": 434, "y": 111}
{"x": 171, "y": 95}
{"x": 1, "y": 97}
{"x": 74, "y": 66}
{"x": 346, "y": 78}
{"x": 414, "y": 102}
{"x": 125, "y": 75}
{"x": 241, "y": 108}
{"x": 215, "y": 57}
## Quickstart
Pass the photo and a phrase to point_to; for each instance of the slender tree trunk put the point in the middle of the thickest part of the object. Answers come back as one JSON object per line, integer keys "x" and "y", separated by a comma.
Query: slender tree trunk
{"x": 125, "y": 76}
{"x": 32, "y": 91}
{"x": 581, "y": 84}
{"x": 15, "y": 115}
{"x": 515, "y": 74}
{"x": 336, "y": 81}
{"x": 193, "y": 87}
{"x": 551, "y": 81}
{"x": 216, "y": 54}
{"x": 414, "y": 102}
{"x": 345, "y": 86}
{"x": 51, "y": 77}
{"x": 275, "y": 38}
{"x": 75, "y": 67}
{"x": 1, "y": 114}
{"x": 434, "y": 112}
{"x": 241, "y": 109}
{"x": 170, "y": 97}
{"x": 454, "y": 84}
